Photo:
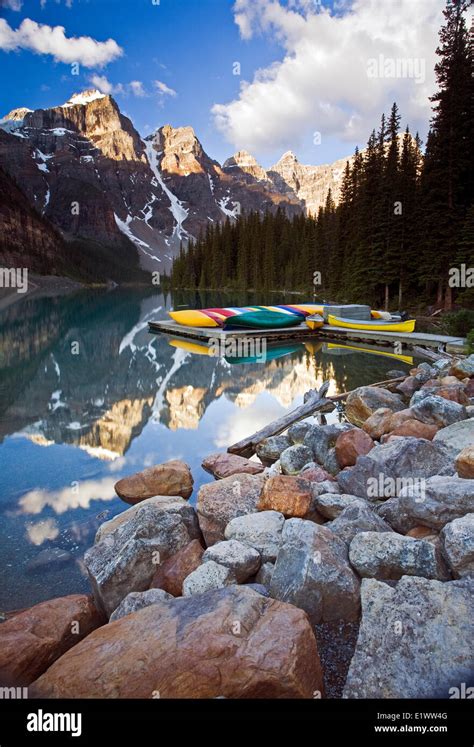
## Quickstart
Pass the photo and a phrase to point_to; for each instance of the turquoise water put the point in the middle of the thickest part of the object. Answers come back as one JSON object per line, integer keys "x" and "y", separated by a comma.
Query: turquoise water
{"x": 88, "y": 395}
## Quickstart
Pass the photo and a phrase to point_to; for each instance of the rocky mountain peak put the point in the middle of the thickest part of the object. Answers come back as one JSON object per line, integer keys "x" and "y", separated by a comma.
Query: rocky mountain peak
{"x": 288, "y": 157}
{"x": 16, "y": 115}
{"x": 182, "y": 153}
{"x": 84, "y": 97}
{"x": 243, "y": 161}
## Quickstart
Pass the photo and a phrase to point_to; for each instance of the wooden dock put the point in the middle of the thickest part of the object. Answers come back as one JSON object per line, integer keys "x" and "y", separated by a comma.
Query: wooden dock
{"x": 302, "y": 332}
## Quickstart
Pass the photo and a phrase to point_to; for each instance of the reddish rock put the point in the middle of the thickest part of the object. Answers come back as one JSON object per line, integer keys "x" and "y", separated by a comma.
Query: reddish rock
{"x": 224, "y": 465}
{"x": 364, "y": 401}
{"x": 465, "y": 463}
{"x": 289, "y": 495}
{"x": 409, "y": 386}
{"x": 352, "y": 444}
{"x": 449, "y": 380}
{"x": 378, "y": 423}
{"x": 317, "y": 474}
{"x": 32, "y": 640}
{"x": 191, "y": 647}
{"x": 220, "y": 502}
{"x": 420, "y": 532}
{"x": 170, "y": 478}
{"x": 171, "y": 574}
{"x": 413, "y": 428}
{"x": 454, "y": 392}
{"x": 470, "y": 388}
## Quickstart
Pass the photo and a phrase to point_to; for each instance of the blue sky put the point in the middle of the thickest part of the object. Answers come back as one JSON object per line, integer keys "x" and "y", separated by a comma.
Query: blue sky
{"x": 302, "y": 85}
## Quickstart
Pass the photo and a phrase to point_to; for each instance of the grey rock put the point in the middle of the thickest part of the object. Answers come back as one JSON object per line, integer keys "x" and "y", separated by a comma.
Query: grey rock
{"x": 137, "y": 600}
{"x": 395, "y": 373}
{"x": 312, "y": 572}
{"x": 464, "y": 367}
{"x": 259, "y": 588}
{"x": 457, "y": 436}
{"x": 390, "y": 556}
{"x": 457, "y": 545}
{"x": 269, "y": 450}
{"x": 243, "y": 561}
{"x": 297, "y": 432}
{"x": 379, "y": 474}
{"x": 470, "y": 410}
{"x": 264, "y": 576}
{"x": 125, "y": 559}
{"x": 321, "y": 438}
{"x": 425, "y": 372}
{"x": 261, "y": 531}
{"x": 438, "y": 411}
{"x": 331, "y": 463}
{"x": 357, "y": 518}
{"x": 330, "y": 505}
{"x": 170, "y": 504}
{"x": 415, "y": 639}
{"x": 324, "y": 487}
{"x": 432, "y": 503}
{"x": 294, "y": 458}
{"x": 208, "y": 577}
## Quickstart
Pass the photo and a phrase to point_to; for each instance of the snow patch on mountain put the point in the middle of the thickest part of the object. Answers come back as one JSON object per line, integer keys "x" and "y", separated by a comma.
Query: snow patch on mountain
{"x": 83, "y": 98}
{"x": 179, "y": 212}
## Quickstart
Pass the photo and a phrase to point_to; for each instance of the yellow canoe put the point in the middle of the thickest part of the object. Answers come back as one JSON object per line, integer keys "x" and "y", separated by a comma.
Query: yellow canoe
{"x": 402, "y": 358}
{"x": 315, "y": 321}
{"x": 375, "y": 325}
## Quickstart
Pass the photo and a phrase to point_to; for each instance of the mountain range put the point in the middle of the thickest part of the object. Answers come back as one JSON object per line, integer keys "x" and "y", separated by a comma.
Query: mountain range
{"x": 84, "y": 194}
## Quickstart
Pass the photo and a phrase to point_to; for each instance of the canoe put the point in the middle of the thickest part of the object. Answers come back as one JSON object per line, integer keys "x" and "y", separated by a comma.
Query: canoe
{"x": 262, "y": 319}
{"x": 402, "y": 358}
{"x": 218, "y": 317}
{"x": 315, "y": 321}
{"x": 373, "y": 325}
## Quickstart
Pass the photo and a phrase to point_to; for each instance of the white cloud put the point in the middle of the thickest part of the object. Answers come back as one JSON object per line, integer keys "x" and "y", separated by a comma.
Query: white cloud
{"x": 322, "y": 82}
{"x": 136, "y": 87}
{"x": 69, "y": 497}
{"x": 11, "y": 4}
{"x": 163, "y": 89}
{"x": 52, "y": 40}
{"x": 103, "y": 84}
{"x": 42, "y": 531}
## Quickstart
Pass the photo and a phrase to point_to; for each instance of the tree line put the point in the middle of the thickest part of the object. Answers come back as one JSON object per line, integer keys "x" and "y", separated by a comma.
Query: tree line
{"x": 402, "y": 228}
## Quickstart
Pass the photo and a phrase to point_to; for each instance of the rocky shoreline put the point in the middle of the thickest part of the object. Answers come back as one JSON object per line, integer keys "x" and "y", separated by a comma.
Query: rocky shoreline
{"x": 340, "y": 564}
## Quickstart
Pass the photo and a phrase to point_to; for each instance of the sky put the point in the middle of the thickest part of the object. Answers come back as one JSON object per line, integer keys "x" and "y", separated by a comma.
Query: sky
{"x": 267, "y": 76}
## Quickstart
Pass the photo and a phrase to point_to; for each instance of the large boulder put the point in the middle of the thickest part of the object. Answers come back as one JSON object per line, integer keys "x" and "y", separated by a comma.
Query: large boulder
{"x": 224, "y": 464}
{"x": 350, "y": 445}
{"x": 269, "y": 450}
{"x": 231, "y": 643}
{"x": 298, "y": 431}
{"x": 415, "y": 639}
{"x": 390, "y": 555}
{"x": 170, "y": 505}
{"x": 126, "y": 558}
{"x": 170, "y": 478}
{"x": 221, "y": 501}
{"x": 208, "y": 577}
{"x": 170, "y": 574}
{"x": 137, "y": 600}
{"x": 457, "y": 545}
{"x": 290, "y": 496}
{"x": 457, "y": 436}
{"x": 355, "y": 518}
{"x": 294, "y": 458}
{"x": 243, "y": 561}
{"x": 438, "y": 411}
{"x": 465, "y": 462}
{"x": 32, "y": 640}
{"x": 364, "y": 401}
{"x": 432, "y": 503}
{"x": 389, "y": 467}
{"x": 312, "y": 572}
{"x": 261, "y": 531}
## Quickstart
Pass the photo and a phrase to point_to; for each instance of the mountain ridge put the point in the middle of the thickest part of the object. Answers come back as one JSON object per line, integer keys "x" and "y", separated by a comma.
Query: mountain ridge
{"x": 85, "y": 167}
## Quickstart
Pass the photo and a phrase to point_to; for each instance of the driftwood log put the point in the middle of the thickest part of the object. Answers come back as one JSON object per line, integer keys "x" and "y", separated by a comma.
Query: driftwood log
{"x": 314, "y": 400}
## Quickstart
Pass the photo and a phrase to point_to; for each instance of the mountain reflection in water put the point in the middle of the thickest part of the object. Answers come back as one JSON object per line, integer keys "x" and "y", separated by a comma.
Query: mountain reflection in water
{"x": 88, "y": 395}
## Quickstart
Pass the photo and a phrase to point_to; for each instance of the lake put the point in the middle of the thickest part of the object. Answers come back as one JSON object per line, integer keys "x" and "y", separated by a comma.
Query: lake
{"x": 88, "y": 395}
